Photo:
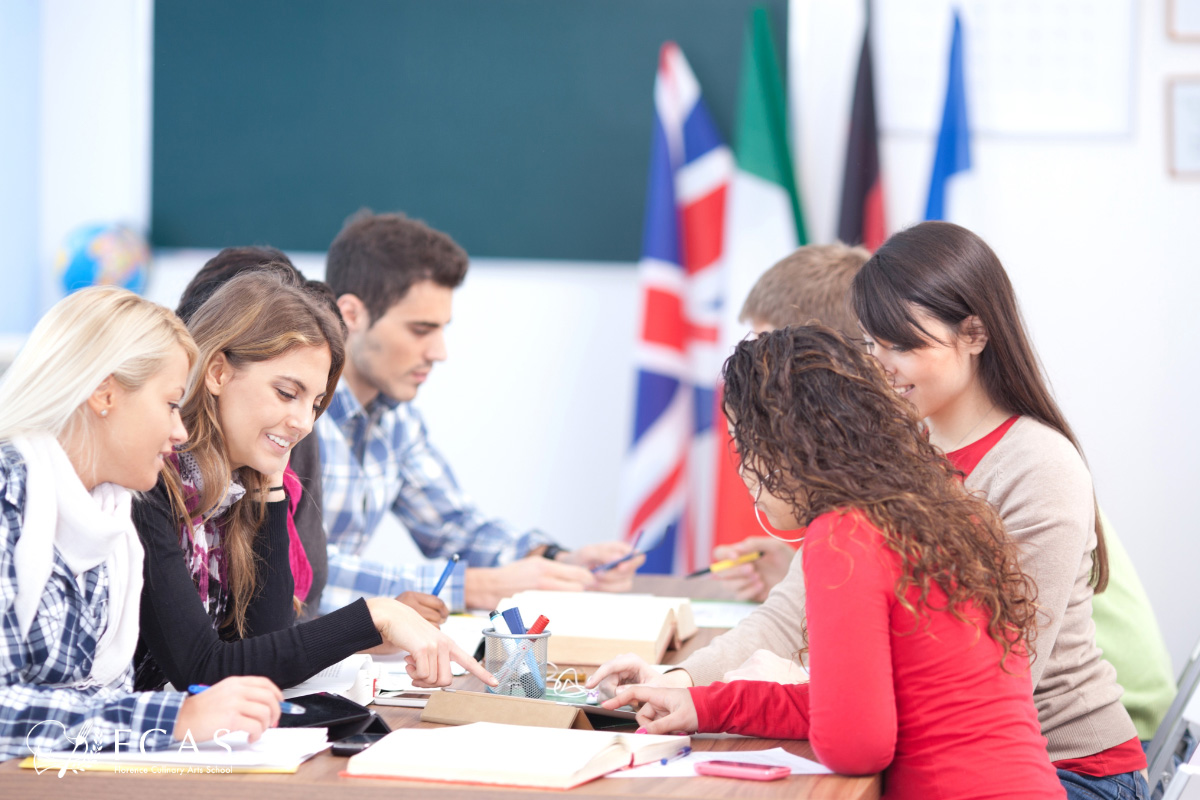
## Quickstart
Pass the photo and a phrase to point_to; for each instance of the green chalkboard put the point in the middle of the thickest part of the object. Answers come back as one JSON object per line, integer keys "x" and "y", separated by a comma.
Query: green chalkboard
{"x": 521, "y": 127}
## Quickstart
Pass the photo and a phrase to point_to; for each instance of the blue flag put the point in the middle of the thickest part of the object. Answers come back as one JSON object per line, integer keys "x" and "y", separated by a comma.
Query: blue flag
{"x": 954, "y": 138}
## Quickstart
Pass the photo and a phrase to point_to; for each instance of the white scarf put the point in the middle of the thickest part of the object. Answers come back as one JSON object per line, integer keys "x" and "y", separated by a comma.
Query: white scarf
{"x": 87, "y": 530}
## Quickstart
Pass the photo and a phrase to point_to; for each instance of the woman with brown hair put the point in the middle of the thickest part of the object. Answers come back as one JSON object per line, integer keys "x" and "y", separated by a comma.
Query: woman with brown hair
{"x": 219, "y": 589}
{"x": 917, "y": 615}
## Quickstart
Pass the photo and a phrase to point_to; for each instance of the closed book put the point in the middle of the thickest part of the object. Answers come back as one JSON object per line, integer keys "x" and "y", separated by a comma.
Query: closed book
{"x": 589, "y": 628}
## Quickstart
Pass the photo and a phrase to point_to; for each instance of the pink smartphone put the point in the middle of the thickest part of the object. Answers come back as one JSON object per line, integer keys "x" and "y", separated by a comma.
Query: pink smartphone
{"x": 745, "y": 771}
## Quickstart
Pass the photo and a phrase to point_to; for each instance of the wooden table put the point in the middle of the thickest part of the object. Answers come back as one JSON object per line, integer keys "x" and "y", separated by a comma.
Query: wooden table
{"x": 318, "y": 778}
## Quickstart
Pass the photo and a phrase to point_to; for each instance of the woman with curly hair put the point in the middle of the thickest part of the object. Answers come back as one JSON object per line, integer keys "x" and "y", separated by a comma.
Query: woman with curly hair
{"x": 917, "y": 616}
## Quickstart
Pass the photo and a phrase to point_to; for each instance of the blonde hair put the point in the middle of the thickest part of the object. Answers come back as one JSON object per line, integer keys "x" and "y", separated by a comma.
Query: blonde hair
{"x": 811, "y": 284}
{"x": 256, "y": 316}
{"x": 85, "y": 338}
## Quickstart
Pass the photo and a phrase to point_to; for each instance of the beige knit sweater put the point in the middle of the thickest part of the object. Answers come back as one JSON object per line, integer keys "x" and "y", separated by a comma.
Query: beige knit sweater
{"x": 1043, "y": 491}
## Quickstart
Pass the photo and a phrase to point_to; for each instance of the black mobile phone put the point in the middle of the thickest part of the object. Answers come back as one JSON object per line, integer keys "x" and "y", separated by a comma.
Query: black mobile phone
{"x": 356, "y": 744}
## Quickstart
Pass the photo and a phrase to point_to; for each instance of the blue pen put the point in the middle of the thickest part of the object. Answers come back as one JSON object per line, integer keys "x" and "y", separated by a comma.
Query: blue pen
{"x": 445, "y": 574}
{"x": 631, "y": 554}
{"x": 681, "y": 754}
{"x": 285, "y": 707}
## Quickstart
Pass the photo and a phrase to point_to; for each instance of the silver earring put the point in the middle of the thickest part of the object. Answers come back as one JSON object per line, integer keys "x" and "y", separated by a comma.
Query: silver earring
{"x": 104, "y": 412}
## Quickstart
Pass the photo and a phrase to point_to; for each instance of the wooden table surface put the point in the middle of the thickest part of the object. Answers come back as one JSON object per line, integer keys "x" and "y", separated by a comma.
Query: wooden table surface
{"x": 318, "y": 779}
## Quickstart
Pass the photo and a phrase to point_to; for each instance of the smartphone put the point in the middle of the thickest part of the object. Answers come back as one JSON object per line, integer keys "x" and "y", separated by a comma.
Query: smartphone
{"x": 355, "y": 744}
{"x": 745, "y": 771}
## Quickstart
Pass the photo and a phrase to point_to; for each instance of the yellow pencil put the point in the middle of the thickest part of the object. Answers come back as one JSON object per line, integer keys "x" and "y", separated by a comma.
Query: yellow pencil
{"x": 727, "y": 563}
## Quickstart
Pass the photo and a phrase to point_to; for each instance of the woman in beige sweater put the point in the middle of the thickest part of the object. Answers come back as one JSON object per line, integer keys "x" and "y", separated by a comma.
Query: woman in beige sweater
{"x": 940, "y": 314}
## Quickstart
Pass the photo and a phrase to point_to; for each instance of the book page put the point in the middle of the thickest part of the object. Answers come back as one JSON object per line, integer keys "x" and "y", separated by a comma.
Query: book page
{"x": 496, "y": 750}
{"x": 337, "y": 678}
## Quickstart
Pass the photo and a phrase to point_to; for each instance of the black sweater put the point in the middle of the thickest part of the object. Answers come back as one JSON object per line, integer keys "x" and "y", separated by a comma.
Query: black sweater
{"x": 182, "y": 644}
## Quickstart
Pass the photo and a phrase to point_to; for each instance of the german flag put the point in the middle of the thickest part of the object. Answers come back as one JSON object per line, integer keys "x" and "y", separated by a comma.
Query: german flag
{"x": 861, "y": 220}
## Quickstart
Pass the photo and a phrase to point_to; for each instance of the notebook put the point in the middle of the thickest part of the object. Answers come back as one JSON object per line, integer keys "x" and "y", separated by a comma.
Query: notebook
{"x": 595, "y": 627}
{"x": 277, "y": 750}
{"x": 509, "y": 755}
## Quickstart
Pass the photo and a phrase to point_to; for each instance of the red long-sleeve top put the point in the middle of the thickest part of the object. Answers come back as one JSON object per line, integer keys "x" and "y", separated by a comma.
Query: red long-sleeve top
{"x": 923, "y": 698}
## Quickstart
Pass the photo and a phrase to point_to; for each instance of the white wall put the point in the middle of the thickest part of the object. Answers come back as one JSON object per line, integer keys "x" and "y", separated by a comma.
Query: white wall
{"x": 533, "y": 408}
{"x": 1101, "y": 245}
{"x": 20, "y": 25}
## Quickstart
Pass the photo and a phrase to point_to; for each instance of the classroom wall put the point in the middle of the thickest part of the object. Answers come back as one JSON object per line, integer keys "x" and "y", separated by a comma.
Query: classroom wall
{"x": 533, "y": 408}
{"x": 1101, "y": 245}
{"x": 20, "y": 24}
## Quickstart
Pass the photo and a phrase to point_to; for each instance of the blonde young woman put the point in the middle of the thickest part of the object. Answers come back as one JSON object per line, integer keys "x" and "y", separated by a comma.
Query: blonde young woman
{"x": 219, "y": 591}
{"x": 88, "y": 411}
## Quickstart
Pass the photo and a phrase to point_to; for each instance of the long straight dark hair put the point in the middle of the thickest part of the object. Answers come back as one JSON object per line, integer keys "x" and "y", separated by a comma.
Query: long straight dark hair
{"x": 952, "y": 274}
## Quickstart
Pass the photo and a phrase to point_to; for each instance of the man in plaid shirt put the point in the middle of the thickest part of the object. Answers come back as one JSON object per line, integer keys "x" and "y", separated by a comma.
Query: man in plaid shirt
{"x": 394, "y": 278}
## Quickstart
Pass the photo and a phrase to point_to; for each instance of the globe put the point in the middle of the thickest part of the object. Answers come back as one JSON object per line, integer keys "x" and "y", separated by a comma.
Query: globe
{"x": 104, "y": 255}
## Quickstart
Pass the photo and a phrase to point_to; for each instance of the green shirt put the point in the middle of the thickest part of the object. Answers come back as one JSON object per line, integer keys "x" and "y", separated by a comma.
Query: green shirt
{"x": 1127, "y": 631}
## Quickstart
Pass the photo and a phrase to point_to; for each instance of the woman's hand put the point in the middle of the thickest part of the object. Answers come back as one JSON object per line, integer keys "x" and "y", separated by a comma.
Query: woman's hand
{"x": 662, "y": 710}
{"x": 755, "y": 580}
{"x": 249, "y": 704}
{"x": 630, "y": 669}
{"x": 429, "y": 650}
{"x": 764, "y": 665}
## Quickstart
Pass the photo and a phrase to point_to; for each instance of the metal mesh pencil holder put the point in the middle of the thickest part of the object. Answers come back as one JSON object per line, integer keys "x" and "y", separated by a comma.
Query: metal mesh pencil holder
{"x": 518, "y": 661}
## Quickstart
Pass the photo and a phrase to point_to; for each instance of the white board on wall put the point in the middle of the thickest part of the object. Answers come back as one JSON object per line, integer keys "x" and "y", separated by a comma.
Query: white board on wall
{"x": 1033, "y": 67}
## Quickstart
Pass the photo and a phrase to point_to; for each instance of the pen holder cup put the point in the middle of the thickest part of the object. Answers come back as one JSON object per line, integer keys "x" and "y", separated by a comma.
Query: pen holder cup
{"x": 517, "y": 661}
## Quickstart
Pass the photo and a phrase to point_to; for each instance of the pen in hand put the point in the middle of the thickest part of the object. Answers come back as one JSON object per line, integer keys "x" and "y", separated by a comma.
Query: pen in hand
{"x": 720, "y": 566}
{"x": 284, "y": 707}
{"x": 633, "y": 553}
{"x": 445, "y": 575}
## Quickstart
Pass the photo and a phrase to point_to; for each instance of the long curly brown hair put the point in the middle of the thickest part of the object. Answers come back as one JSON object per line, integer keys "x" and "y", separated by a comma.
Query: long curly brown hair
{"x": 817, "y": 424}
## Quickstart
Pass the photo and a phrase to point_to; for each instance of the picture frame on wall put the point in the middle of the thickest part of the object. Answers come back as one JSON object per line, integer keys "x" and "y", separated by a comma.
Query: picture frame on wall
{"x": 1183, "y": 20}
{"x": 1183, "y": 126}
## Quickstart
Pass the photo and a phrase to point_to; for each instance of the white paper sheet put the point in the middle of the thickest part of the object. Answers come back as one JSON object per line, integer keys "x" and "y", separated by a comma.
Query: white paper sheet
{"x": 686, "y": 767}
{"x": 721, "y": 613}
{"x": 279, "y": 748}
{"x": 340, "y": 678}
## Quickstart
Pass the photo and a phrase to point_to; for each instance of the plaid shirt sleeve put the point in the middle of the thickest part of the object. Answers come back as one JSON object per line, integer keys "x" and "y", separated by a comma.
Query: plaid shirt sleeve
{"x": 439, "y": 515}
{"x": 41, "y": 719}
{"x": 36, "y": 713}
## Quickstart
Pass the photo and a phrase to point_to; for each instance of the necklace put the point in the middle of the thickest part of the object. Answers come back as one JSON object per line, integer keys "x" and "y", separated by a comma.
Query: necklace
{"x": 986, "y": 414}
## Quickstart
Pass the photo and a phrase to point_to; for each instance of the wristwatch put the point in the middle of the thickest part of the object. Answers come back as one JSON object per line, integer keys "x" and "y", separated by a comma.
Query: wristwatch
{"x": 552, "y": 550}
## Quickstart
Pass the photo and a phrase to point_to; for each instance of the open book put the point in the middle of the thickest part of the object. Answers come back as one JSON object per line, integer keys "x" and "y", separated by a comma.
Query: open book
{"x": 509, "y": 755}
{"x": 594, "y": 627}
{"x": 353, "y": 678}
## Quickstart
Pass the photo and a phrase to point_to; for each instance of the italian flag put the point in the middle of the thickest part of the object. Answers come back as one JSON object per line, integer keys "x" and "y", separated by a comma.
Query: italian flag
{"x": 763, "y": 223}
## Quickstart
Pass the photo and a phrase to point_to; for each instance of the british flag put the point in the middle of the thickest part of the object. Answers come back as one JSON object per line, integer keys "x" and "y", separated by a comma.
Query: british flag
{"x": 671, "y": 467}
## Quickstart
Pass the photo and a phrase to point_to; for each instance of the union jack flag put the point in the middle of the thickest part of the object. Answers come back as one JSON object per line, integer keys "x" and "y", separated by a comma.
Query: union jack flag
{"x": 671, "y": 468}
